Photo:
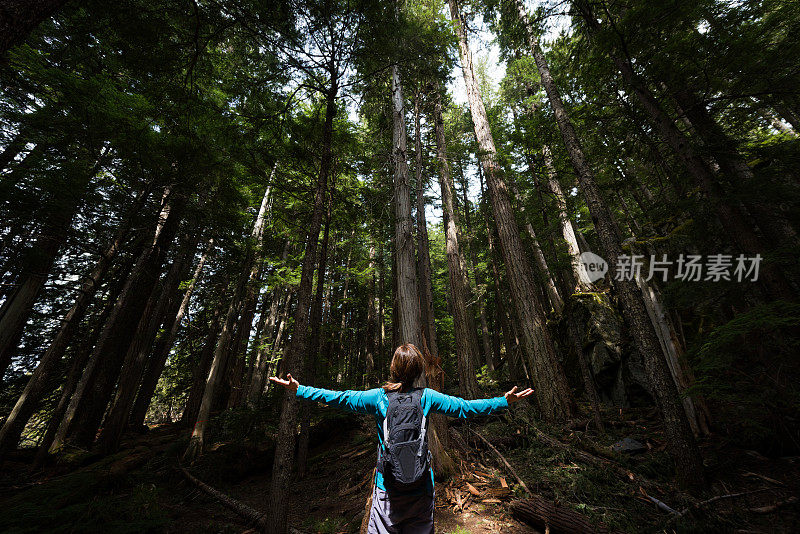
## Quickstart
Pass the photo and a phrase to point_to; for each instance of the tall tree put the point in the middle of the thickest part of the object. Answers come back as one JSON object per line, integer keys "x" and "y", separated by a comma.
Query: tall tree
{"x": 466, "y": 342}
{"x": 552, "y": 392}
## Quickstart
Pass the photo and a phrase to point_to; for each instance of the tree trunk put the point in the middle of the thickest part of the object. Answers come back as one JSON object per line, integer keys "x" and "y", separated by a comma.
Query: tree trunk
{"x": 680, "y": 440}
{"x": 550, "y": 517}
{"x": 696, "y": 411}
{"x": 408, "y": 305}
{"x": 277, "y": 346}
{"x": 264, "y": 341}
{"x": 552, "y": 392}
{"x": 155, "y": 366}
{"x": 581, "y": 281}
{"x": 201, "y": 369}
{"x": 313, "y": 345}
{"x": 31, "y": 396}
{"x": 293, "y": 358}
{"x": 466, "y": 342}
{"x": 252, "y": 269}
{"x": 423, "y": 245}
{"x": 78, "y": 364}
{"x": 549, "y": 281}
{"x": 370, "y": 355}
{"x": 215, "y": 375}
{"x": 136, "y": 357}
{"x": 588, "y": 380}
{"x": 726, "y": 153}
{"x": 500, "y": 313}
{"x": 38, "y": 262}
{"x": 480, "y": 290}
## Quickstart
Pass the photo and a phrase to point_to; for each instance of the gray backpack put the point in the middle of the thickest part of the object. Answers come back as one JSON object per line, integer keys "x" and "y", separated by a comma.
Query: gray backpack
{"x": 404, "y": 459}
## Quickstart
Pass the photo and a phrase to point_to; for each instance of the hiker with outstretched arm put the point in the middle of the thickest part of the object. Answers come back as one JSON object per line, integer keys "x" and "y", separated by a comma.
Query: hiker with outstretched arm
{"x": 402, "y": 498}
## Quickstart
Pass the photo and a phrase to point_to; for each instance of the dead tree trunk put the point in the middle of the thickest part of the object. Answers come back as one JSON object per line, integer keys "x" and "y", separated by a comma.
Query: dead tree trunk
{"x": 550, "y": 517}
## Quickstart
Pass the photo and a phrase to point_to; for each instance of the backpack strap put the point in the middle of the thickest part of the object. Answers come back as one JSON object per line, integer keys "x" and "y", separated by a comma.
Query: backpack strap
{"x": 417, "y": 394}
{"x": 390, "y": 396}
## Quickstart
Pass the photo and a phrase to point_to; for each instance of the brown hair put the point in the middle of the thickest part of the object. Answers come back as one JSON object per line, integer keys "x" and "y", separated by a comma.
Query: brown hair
{"x": 407, "y": 365}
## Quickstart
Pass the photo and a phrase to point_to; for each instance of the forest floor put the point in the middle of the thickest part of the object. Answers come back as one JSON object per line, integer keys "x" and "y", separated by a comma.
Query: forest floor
{"x": 142, "y": 489}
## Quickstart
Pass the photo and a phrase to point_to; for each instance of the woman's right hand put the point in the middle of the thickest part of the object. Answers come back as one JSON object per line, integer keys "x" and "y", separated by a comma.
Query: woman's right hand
{"x": 290, "y": 383}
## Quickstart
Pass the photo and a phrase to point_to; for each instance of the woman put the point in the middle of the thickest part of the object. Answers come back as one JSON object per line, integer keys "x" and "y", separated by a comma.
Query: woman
{"x": 395, "y": 512}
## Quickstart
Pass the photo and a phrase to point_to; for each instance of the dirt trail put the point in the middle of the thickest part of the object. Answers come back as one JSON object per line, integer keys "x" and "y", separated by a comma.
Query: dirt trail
{"x": 331, "y": 497}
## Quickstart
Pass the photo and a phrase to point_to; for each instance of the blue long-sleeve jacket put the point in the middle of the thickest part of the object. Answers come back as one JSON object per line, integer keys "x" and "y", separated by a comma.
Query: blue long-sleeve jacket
{"x": 374, "y": 402}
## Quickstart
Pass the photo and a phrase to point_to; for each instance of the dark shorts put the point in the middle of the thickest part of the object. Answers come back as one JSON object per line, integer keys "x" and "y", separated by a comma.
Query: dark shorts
{"x": 401, "y": 514}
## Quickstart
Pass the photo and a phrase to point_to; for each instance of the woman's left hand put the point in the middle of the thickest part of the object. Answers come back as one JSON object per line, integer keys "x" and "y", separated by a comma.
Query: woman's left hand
{"x": 290, "y": 383}
{"x": 513, "y": 395}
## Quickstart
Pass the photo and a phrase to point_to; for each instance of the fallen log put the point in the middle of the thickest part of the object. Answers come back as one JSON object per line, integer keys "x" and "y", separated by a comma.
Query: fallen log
{"x": 504, "y": 462}
{"x": 256, "y": 518}
{"x": 547, "y": 516}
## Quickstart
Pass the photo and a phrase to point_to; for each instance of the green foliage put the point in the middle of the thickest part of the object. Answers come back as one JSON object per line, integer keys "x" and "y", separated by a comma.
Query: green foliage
{"x": 487, "y": 379}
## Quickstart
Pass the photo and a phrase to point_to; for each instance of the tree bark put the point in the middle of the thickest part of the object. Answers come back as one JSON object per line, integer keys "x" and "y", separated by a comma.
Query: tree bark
{"x": 680, "y": 440}
{"x": 552, "y": 392}
{"x": 548, "y": 516}
{"x": 408, "y": 305}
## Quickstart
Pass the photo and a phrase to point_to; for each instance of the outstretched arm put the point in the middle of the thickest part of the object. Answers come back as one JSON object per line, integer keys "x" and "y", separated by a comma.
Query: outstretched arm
{"x": 355, "y": 401}
{"x": 462, "y": 408}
